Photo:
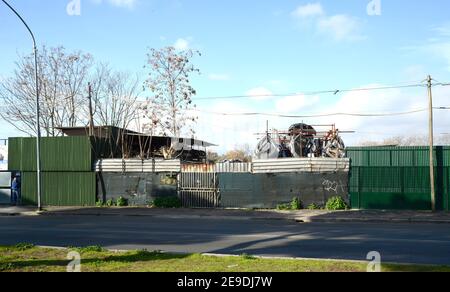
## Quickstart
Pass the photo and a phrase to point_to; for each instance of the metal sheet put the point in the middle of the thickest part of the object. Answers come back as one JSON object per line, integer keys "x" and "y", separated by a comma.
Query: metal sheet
{"x": 137, "y": 165}
{"x": 292, "y": 165}
{"x": 5, "y": 179}
{"x": 398, "y": 178}
{"x": 57, "y": 154}
{"x": 60, "y": 188}
{"x": 397, "y": 156}
{"x": 5, "y": 196}
{"x": 398, "y": 188}
{"x": 233, "y": 167}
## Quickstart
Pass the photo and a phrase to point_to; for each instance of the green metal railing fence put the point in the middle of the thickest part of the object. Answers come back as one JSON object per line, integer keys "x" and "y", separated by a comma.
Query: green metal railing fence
{"x": 398, "y": 178}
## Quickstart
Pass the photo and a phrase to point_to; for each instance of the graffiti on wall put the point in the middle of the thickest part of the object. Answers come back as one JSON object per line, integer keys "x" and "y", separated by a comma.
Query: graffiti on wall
{"x": 333, "y": 186}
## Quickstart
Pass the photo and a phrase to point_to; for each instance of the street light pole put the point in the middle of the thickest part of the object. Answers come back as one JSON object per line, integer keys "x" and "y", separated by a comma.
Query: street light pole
{"x": 431, "y": 141}
{"x": 38, "y": 126}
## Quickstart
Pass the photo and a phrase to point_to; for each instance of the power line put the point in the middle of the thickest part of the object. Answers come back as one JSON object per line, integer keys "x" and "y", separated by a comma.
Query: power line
{"x": 307, "y": 93}
{"x": 320, "y": 115}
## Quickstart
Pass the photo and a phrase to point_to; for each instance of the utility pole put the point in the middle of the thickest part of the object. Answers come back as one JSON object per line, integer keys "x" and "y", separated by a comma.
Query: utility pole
{"x": 268, "y": 138}
{"x": 38, "y": 126}
{"x": 431, "y": 141}
{"x": 91, "y": 114}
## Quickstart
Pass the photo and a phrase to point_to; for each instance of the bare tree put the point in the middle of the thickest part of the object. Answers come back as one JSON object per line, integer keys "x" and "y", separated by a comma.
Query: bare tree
{"x": 212, "y": 157}
{"x": 240, "y": 152}
{"x": 419, "y": 140}
{"x": 61, "y": 79}
{"x": 114, "y": 97}
{"x": 169, "y": 81}
{"x": 443, "y": 140}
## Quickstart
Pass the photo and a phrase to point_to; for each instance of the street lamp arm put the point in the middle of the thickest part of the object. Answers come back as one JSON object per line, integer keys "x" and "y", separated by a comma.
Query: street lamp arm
{"x": 23, "y": 21}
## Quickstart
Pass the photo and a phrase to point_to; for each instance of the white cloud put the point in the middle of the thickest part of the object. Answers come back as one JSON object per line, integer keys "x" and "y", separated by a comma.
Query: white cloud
{"x": 228, "y": 131}
{"x": 219, "y": 77}
{"x": 296, "y": 103}
{"x": 182, "y": 44}
{"x": 437, "y": 46}
{"x": 123, "y": 3}
{"x": 260, "y": 93}
{"x": 414, "y": 72}
{"x": 440, "y": 50}
{"x": 308, "y": 10}
{"x": 443, "y": 30}
{"x": 130, "y": 4}
{"x": 339, "y": 27}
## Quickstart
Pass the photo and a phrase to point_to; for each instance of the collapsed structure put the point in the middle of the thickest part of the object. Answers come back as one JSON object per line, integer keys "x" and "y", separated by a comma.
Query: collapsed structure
{"x": 301, "y": 140}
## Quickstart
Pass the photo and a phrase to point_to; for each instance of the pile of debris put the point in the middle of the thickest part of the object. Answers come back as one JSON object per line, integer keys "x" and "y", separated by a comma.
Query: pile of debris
{"x": 300, "y": 141}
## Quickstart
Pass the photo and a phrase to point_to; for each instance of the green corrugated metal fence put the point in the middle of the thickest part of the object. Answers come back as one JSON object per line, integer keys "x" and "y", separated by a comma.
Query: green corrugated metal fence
{"x": 67, "y": 175}
{"x": 60, "y": 188}
{"x": 398, "y": 178}
{"x": 57, "y": 154}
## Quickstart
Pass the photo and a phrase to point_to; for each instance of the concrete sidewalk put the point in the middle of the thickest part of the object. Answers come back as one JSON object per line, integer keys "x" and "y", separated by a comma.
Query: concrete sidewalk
{"x": 351, "y": 216}
{"x": 306, "y": 216}
{"x": 7, "y": 210}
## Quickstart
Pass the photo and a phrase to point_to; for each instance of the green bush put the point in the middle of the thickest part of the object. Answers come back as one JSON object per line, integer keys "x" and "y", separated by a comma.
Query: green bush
{"x": 336, "y": 203}
{"x": 296, "y": 204}
{"x": 122, "y": 202}
{"x": 99, "y": 204}
{"x": 110, "y": 203}
{"x": 167, "y": 202}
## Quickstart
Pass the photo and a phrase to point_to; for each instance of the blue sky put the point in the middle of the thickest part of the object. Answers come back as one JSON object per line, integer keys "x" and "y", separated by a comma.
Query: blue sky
{"x": 262, "y": 47}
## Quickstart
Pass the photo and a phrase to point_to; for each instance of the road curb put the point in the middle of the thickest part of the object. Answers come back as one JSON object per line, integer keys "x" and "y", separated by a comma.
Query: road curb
{"x": 370, "y": 220}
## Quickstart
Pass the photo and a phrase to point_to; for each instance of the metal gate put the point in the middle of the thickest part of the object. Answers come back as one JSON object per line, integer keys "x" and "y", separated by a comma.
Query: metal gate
{"x": 199, "y": 187}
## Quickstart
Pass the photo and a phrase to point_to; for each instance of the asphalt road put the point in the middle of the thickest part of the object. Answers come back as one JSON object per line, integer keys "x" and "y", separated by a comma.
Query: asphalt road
{"x": 402, "y": 243}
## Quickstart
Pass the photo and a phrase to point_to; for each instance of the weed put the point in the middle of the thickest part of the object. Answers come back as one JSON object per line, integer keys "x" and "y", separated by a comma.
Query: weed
{"x": 336, "y": 203}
